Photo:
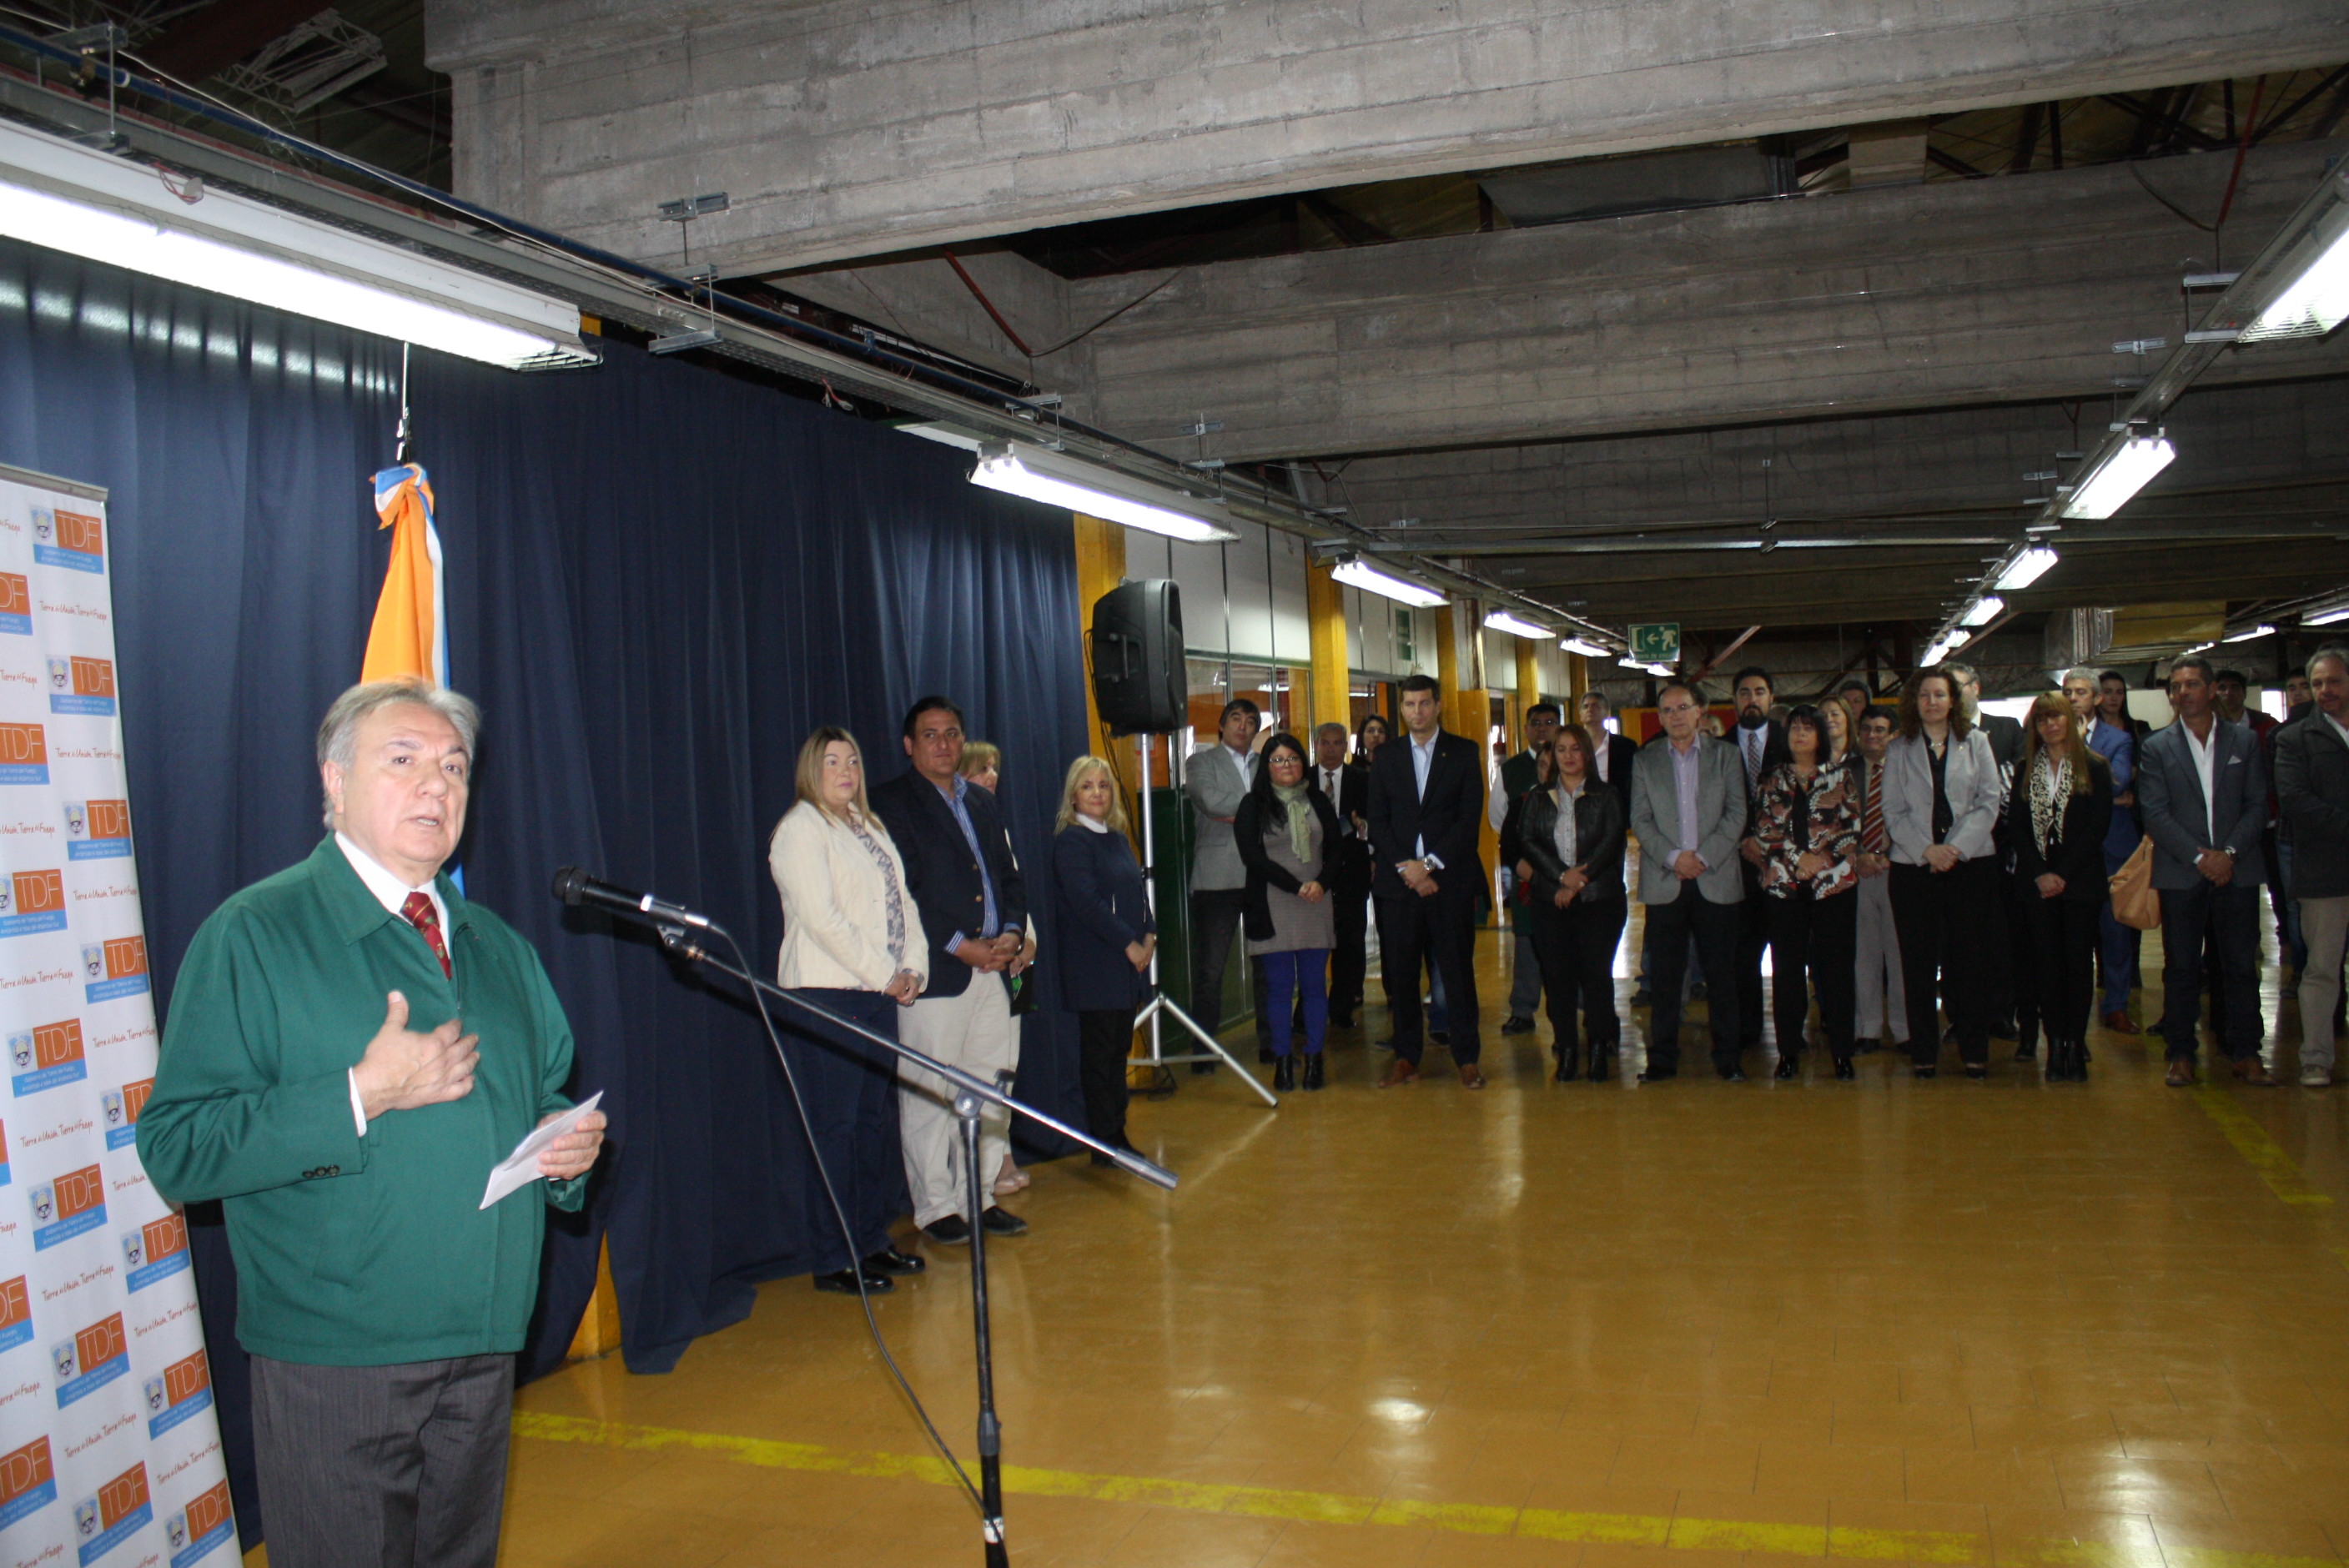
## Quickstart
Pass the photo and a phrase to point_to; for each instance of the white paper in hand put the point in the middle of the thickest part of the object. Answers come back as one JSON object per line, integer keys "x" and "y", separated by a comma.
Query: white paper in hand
{"x": 520, "y": 1168}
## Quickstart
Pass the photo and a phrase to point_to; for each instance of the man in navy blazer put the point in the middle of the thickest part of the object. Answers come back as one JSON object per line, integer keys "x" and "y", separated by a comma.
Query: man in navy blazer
{"x": 1427, "y": 807}
{"x": 2202, "y": 794}
{"x": 963, "y": 877}
{"x": 2117, "y": 747}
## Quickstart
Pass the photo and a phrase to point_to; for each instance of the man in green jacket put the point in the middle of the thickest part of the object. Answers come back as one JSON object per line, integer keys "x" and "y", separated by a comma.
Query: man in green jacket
{"x": 380, "y": 1302}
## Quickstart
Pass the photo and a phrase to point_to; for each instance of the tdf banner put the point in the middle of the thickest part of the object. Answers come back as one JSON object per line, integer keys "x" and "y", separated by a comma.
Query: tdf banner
{"x": 109, "y": 1453}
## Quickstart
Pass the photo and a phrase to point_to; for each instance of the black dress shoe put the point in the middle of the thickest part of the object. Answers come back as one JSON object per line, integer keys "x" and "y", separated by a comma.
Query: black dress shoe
{"x": 1922, "y": 1072}
{"x": 1566, "y": 1065}
{"x": 1002, "y": 1221}
{"x": 1865, "y": 1047}
{"x": 843, "y": 1282}
{"x": 1843, "y": 1069}
{"x": 1973, "y": 1071}
{"x": 1602, "y": 1062}
{"x": 1658, "y": 1075}
{"x": 1440, "y": 1036}
{"x": 1263, "y": 1054}
{"x": 1788, "y": 1067}
{"x": 890, "y": 1261}
{"x": 2003, "y": 1029}
{"x": 953, "y": 1230}
{"x": 1313, "y": 1071}
{"x": 1284, "y": 1074}
{"x": 1513, "y": 1024}
{"x": 1732, "y": 1075}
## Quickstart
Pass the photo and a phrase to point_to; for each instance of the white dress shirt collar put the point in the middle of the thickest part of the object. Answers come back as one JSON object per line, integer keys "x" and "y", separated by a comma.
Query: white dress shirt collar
{"x": 388, "y": 890}
{"x": 1094, "y": 823}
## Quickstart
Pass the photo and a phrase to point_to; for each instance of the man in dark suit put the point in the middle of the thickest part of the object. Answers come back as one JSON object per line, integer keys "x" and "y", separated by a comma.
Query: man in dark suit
{"x": 1518, "y": 775}
{"x": 1347, "y": 786}
{"x": 1761, "y": 743}
{"x": 2117, "y": 747}
{"x": 2202, "y": 795}
{"x": 2005, "y": 734}
{"x": 1615, "y": 753}
{"x": 1427, "y": 804}
{"x": 974, "y": 906}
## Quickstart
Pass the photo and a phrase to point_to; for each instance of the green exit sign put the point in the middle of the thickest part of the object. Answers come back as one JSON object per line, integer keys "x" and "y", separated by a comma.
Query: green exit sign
{"x": 1657, "y": 644}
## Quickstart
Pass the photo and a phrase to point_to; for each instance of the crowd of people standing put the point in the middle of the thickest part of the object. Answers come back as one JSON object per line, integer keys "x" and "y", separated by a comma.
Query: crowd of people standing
{"x": 1902, "y": 868}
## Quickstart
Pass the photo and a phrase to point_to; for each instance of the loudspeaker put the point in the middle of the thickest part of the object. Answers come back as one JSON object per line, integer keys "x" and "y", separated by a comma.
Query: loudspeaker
{"x": 1138, "y": 683}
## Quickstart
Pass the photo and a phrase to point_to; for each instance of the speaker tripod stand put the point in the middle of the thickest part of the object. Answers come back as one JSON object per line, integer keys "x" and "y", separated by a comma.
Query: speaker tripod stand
{"x": 1159, "y": 1007}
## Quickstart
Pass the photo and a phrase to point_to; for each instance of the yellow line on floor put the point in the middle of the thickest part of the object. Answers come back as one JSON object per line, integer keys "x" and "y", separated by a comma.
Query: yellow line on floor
{"x": 1338, "y": 1508}
{"x": 2283, "y": 1176}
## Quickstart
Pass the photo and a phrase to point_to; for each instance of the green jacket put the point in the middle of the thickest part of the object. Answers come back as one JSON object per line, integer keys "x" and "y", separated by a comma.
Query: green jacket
{"x": 351, "y": 1251}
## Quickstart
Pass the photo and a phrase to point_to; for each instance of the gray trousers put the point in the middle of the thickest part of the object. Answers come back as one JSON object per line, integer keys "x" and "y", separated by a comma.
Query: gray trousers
{"x": 1882, "y": 996}
{"x": 1525, "y": 976}
{"x": 382, "y": 1467}
{"x": 2324, "y": 926}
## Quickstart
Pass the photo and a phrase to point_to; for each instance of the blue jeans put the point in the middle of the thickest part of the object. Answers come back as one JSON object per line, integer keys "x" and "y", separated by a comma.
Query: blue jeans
{"x": 2116, "y": 942}
{"x": 1284, "y": 973}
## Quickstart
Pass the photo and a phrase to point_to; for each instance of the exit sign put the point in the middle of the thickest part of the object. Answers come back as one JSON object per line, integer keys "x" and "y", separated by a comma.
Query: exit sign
{"x": 1657, "y": 644}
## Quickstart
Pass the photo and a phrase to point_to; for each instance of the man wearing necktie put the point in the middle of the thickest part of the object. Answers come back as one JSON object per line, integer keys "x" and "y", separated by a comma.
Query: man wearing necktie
{"x": 381, "y": 1303}
{"x": 1348, "y": 787}
{"x": 1761, "y": 743}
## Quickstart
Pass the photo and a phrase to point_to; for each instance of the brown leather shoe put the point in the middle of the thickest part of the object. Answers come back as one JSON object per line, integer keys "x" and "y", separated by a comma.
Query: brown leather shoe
{"x": 2119, "y": 1023}
{"x": 1401, "y": 1075}
{"x": 1471, "y": 1076}
{"x": 2182, "y": 1073}
{"x": 2254, "y": 1072}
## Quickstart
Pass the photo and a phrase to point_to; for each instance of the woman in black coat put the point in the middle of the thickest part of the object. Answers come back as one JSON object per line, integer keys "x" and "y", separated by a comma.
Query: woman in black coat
{"x": 2057, "y": 809}
{"x": 1565, "y": 836}
{"x": 1107, "y": 938}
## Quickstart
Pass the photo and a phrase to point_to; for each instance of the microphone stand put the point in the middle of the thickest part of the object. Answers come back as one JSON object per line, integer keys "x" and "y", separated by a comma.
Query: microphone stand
{"x": 970, "y": 1094}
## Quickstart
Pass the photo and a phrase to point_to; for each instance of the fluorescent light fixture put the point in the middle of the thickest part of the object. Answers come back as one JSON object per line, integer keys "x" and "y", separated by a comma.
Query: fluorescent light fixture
{"x": 1080, "y": 488}
{"x": 2109, "y": 487}
{"x": 2327, "y": 615}
{"x": 1502, "y": 621}
{"x": 1983, "y": 610}
{"x": 2197, "y": 649}
{"x": 1949, "y": 642}
{"x": 2248, "y": 633}
{"x": 1402, "y": 590}
{"x": 1587, "y": 649}
{"x": 1629, "y": 663}
{"x": 102, "y": 209}
{"x": 2028, "y": 568}
{"x": 1661, "y": 670}
{"x": 2313, "y": 303}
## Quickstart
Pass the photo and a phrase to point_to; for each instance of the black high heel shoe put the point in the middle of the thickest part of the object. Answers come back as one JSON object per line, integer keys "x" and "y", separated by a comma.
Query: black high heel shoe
{"x": 1284, "y": 1072}
{"x": 1844, "y": 1073}
{"x": 1313, "y": 1070}
{"x": 1788, "y": 1067}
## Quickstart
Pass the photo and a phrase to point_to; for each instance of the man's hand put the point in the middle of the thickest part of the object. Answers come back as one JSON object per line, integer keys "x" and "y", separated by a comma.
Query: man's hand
{"x": 1688, "y": 865}
{"x": 1752, "y": 850}
{"x": 403, "y": 1070}
{"x": 1139, "y": 954}
{"x": 1416, "y": 877}
{"x": 984, "y": 956}
{"x": 1312, "y": 893}
{"x": 1023, "y": 950}
{"x": 2217, "y": 866}
{"x": 1524, "y": 871}
{"x": 1941, "y": 857}
{"x": 903, "y": 988}
{"x": 1869, "y": 865}
{"x": 571, "y": 1154}
{"x": 2050, "y": 885}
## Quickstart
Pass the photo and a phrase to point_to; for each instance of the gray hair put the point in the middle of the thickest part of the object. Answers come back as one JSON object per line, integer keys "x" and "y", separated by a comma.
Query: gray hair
{"x": 1324, "y": 731}
{"x": 338, "y": 732}
{"x": 2331, "y": 652}
{"x": 2082, "y": 673}
{"x": 1606, "y": 703}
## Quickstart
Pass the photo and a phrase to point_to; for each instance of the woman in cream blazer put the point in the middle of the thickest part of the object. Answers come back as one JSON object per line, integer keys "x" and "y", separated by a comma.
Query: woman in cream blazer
{"x": 853, "y": 944}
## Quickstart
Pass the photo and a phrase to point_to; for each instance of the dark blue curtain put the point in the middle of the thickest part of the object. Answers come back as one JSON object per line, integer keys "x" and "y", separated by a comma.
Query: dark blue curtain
{"x": 660, "y": 578}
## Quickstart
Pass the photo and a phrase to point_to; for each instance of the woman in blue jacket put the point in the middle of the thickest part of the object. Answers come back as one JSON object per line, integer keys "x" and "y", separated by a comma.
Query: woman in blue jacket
{"x": 1106, "y": 935}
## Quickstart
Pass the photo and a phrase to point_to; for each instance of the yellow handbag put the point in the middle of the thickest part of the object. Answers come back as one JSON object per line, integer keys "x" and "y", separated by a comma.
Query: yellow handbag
{"x": 2135, "y": 901}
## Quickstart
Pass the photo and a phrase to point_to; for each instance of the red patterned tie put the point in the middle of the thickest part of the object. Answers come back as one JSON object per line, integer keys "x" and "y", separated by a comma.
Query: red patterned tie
{"x": 1871, "y": 822}
{"x": 418, "y": 912}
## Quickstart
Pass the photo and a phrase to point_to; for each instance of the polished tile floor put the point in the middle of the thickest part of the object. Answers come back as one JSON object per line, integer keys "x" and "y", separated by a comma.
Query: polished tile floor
{"x": 1693, "y": 1326}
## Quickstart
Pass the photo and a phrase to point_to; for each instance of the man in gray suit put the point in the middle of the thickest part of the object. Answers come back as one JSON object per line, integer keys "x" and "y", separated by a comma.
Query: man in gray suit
{"x": 1217, "y": 779}
{"x": 1688, "y": 811}
{"x": 2312, "y": 768}
{"x": 2202, "y": 795}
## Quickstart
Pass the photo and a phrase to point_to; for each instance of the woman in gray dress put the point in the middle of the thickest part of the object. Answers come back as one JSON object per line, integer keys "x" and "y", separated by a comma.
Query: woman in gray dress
{"x": 1285, "y": 828}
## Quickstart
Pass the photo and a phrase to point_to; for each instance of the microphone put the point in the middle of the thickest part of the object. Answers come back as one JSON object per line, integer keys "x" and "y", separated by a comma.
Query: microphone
{"x": 576, "y": 887}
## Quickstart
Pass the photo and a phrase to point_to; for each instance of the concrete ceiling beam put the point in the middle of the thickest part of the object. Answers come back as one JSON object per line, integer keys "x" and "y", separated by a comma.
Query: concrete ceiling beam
{"x": 853, "y": 128}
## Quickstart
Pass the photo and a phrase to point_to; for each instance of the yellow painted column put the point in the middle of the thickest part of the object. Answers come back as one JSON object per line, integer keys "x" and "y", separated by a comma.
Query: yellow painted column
{"x": 1529, "y": 690}
{"x": 1467, "y": 708}
{"x": 1325, "y": 619}
{"x": 1101, "y": 566}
